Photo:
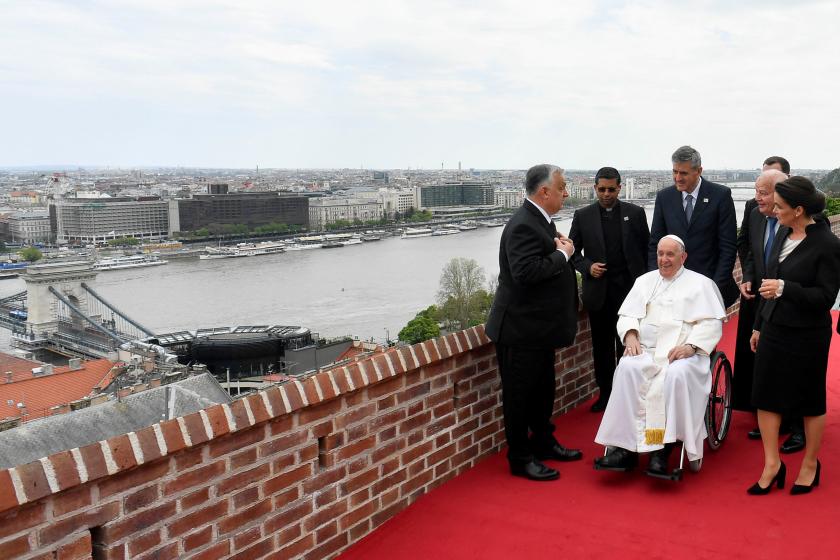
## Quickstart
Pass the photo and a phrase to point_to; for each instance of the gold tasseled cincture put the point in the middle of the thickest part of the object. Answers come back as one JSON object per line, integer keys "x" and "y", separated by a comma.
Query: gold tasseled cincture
{"x": 654, "y": 437}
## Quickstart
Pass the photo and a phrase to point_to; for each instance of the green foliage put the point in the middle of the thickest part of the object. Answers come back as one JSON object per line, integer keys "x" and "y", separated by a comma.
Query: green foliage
{"x": 419, "y": 329}
{"x": 123, "y": 241}
{"x": 30, "y": 254}
{"x": 412, "y": 215}
{"x": 832, "y": 206}
{"x": 462, "y": 298}
{"x": 273, "y": 227}
{"x": 338, "y": 224}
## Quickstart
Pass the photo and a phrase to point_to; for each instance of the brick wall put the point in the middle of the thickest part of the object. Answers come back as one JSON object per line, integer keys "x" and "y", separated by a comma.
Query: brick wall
{"x": 300, "y": 470}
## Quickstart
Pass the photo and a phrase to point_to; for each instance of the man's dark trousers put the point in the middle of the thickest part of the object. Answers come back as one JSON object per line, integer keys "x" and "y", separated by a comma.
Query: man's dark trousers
{"x": 528, "y": 380}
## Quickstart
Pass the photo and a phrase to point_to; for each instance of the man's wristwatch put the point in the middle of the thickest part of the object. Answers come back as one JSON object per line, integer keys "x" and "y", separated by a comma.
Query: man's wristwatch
{"x": 693, "y": 347}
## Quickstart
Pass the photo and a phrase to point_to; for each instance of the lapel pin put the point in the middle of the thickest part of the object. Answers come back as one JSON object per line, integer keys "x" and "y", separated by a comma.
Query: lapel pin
{"x": 706, "y": 200}
{"x": 626, "y": 218}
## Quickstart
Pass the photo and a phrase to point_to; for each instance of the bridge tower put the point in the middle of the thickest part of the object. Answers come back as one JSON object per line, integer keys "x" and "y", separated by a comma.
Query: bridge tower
{"x": 42, "y": 306}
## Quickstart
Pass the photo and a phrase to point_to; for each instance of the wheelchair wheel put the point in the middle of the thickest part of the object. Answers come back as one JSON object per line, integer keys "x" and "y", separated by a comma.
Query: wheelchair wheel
{"x": 719, "y": 410}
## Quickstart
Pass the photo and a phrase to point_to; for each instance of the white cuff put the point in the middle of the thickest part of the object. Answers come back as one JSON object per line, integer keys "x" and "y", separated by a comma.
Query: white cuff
{"x": 780, "y": 289}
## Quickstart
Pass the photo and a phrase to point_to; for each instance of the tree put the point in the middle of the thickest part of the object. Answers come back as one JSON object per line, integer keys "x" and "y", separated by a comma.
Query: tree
{"x": 30, "y": 254}
{"x": 832, "y": 206}
{"x": 461, "y": 296}
{"x": 419, "y": 329}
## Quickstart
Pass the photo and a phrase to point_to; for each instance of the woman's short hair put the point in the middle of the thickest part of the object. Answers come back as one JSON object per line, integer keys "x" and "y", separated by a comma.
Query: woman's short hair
{"x": 800, "y": 191}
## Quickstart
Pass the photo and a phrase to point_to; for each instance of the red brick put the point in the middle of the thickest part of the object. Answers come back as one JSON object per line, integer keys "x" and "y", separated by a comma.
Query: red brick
{"x": 326, "y": 532}
{"x": 323, "y": 380}
{"x": 278, "y": 409}
{"x": 325, "y": 515}
{"x": 21, "y": 519}
{"x": 385, "y": 403}
{"x": 8, "y": 498}
{"x": 389, "y": 482}
{"x": 70, "y": 500}
{"x": 201, "y": 475}
{"x": 95, "y": 517}
{"x": 293, "y": 514}
{"x": 249, "y": 515}
{"x": 293, "y": 395}
{"x": 198, "y": 518}
{"x": 384, "y": 451}
{"x": 172, "y": 436}
{"x": 194, "y": 426}
{"x": 167, "y": 552}
{"x": 319, "y": 411}
{"x": 121, "y": 482}
{"x": 195, "y": 498}
{"x": 122, "y": 452}
{"x": 141, "y": 544}
{"x": 79, "y": 549}
{"x": 197, "y": 539}
{"x": 283, "y": 463}
{"x": 258, "y": 409}
{"x": 282, "y": 443}
{"x": 356, "y": 515}
{"x": 289, "y": 534}
{"x": 247, "y": 457}
{"x": 355, "y": 448}
{"x": 237, "y": 481}
{"x": 359, "y": 531}
{"x": 356, "y": 376}
{"x": 387, "y": 419}
{"x": 285, "y": 498}
{"x": 287, "y": 479}
{"x": 140, "y": 499}
{"x": 190, "y": 458}
{"x": 410, "y": 362}
{"x": 246, "y": 497}
{"x": 124, "y": 526}
{"x": 34, "y": 480}
{"x": 359, "y": 497}
{"x": 215, "y": 552}
{"x": 416, "y": 452}
{"x": 247, "y": 538}
{"x": 362, "y": 480}
{"x": 325, "y": 498}
{"x": 296, "y": 548}
{"x": 335, "y": 544}
{"x": 66, "y": 472}
{"x": 355, "y": 415}
{"x": 324, "y": 479}
{"x": 148, "y": 444}
{"x": 218, "y": 420}
{"x": 385, "y": 514}
{"x": 390, "y": 385}
{"x": 415, "y": 422}
{"x": 240, "y": 415}
{"x": 15, "y": 547}
{"x": 307, "y": 453}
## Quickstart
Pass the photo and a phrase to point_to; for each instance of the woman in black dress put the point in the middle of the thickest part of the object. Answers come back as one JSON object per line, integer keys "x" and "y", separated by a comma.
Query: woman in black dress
{"x": 793, "y": 330}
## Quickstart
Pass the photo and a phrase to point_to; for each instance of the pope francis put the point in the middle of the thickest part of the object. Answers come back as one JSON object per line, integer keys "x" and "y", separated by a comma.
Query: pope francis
{"x": 670, "y": 322}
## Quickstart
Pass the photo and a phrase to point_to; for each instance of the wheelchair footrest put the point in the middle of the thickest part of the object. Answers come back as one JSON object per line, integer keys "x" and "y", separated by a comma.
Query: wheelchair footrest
{"x": 674, "y": 475}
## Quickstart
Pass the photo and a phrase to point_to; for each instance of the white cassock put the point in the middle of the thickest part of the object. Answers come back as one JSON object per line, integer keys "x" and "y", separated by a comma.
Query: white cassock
{"x": 652, "y": 401}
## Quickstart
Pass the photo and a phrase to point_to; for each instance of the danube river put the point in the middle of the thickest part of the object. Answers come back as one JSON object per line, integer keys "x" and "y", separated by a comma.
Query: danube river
{"x": 366, "y": 290}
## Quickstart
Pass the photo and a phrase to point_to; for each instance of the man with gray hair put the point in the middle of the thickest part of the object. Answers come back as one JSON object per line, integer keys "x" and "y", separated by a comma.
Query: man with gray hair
{"x": 534, "y": 312}
{"x": 670, "y": 323}
{"x": 703, "y": 215}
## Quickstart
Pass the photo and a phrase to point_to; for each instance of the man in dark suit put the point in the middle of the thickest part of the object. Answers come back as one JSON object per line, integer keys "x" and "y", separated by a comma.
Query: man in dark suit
{"x": 610, "y": 238}
{"x": 702, "y": 214}
{"x": 534, "y": 312}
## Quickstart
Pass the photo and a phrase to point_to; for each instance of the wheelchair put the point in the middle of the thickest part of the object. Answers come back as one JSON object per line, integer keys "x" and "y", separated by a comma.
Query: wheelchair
{"x": 717, "y": 417}
{"x": 718, "y": 413}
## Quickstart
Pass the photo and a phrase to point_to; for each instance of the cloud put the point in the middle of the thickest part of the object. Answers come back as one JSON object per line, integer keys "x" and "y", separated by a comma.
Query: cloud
{"x": 585, "y": 80}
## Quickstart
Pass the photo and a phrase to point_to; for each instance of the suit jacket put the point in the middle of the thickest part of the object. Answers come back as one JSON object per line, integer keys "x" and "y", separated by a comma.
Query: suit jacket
{"x": 536, "y": 300}
{"x": 753, "y": 266}
{"x": 743, "y": 241}
{"x": 812, "y": 279}
{"x": 588, "y": 236}
{"x": 710, "y": 238}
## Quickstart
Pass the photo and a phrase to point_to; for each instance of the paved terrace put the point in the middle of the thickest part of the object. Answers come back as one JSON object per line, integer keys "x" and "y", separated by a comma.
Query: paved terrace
{"x": 308, "y": 468}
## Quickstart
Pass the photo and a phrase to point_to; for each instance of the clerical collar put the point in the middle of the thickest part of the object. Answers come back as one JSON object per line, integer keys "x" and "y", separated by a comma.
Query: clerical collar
{"x": 673, "y": 278}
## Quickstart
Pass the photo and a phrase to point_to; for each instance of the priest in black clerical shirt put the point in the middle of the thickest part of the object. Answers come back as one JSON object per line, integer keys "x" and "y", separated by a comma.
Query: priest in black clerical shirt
{"x": 611, "y": 240}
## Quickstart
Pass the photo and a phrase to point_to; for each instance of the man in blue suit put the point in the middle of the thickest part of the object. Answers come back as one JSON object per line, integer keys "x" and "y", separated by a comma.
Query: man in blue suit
{"x": 702, "y": 214}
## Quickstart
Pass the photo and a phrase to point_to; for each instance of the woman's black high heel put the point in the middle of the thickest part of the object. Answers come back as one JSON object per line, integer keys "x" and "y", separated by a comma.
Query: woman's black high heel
{"x": 797, "y": 489}
{"x": 779, "y": 480}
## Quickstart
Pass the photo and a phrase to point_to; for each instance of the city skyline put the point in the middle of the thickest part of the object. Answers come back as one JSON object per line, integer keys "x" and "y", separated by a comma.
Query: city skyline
{"x": 395, "y": 85}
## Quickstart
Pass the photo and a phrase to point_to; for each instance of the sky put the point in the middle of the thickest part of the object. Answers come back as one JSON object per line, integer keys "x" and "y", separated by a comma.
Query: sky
{"x": 391, "y": 84}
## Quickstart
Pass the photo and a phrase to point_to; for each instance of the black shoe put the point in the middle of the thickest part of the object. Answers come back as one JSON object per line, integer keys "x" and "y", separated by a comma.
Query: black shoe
{"x": 559, "y": 453}
{"x": 620, "y": 460}
{"x": 779, "y": 480}
{"x": 802, "y": 489}
{"x": 755, "y": 433}
{"x": 795, "y": 442}
{"x": 601, "y": 404}
{"x": 658, "y": 464}
{"x": 534, "y": 471}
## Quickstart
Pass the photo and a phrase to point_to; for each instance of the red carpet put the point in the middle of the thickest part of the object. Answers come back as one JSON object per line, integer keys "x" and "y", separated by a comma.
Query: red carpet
{"x": 485, "y": 513}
